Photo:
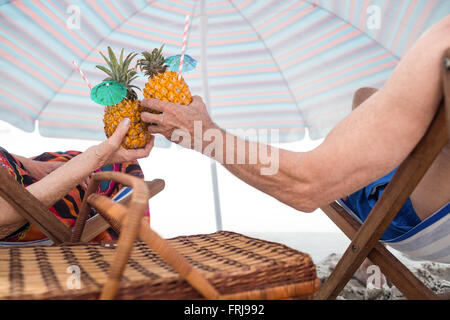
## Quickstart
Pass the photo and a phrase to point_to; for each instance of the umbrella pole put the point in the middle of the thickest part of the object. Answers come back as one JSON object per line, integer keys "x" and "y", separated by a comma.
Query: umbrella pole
{"x": 214, "y": 177}
{"x": 216, "y": 196}
{"x": 217, "y": 207}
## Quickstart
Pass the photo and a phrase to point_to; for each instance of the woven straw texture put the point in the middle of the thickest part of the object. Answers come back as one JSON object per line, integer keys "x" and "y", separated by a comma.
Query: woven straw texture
{"x": 232, "y": 262}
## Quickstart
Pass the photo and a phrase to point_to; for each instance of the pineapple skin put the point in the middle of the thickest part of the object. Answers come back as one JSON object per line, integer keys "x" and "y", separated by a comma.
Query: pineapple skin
{"x": 137, "y": 135}
{"x": 166, "y": 86}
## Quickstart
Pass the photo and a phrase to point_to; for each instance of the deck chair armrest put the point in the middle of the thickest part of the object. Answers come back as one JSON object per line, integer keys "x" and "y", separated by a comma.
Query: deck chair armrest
{"x": 141, "y": 190}
{"x": 97, "y": 224}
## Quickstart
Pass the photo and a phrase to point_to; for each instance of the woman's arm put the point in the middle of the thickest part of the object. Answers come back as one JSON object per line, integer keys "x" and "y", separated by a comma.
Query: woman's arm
{"x": 58, "y": 183}
{"x": 38, "y": 169}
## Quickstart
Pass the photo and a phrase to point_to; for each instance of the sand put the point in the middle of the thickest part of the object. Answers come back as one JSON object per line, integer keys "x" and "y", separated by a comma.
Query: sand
{"x": 435, "y": 276}
{"x": 326, "y": 250}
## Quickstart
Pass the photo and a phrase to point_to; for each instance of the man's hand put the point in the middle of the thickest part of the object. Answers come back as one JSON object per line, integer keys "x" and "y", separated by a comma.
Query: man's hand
{"x": 111, "y": 151}
{"x": 176, "y": 117}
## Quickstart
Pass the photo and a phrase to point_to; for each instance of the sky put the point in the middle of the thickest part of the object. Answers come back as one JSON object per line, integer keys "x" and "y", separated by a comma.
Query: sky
{"x": 186, "y": 205}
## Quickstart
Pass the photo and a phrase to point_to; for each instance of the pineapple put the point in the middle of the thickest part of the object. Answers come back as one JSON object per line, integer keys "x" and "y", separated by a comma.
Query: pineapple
{"x": 163, "y": 84}
{"x": 137, "y": 135}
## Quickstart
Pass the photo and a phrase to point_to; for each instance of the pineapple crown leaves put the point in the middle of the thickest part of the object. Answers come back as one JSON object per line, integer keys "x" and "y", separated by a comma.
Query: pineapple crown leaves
{"x": 119, "y": 71}
{"x": 152, "y": 63}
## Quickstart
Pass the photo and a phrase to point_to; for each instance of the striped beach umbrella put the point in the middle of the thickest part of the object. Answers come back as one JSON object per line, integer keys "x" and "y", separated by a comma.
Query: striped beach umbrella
{"x": 291, "y": 65}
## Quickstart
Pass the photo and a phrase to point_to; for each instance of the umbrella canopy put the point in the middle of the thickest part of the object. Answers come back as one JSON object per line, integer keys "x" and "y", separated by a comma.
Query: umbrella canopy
{"x": 290, "y": 65}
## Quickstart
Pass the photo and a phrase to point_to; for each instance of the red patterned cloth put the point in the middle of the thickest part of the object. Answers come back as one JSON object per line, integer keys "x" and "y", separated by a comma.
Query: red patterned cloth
{"x": 67, "y": 208}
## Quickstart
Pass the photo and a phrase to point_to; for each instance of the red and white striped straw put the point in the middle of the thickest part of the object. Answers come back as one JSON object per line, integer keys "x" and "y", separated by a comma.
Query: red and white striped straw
{"x": 82, "y": 75}
{"x": 183, "y": 47}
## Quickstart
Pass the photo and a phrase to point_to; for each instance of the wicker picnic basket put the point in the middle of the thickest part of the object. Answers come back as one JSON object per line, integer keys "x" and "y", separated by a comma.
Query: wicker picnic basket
{"x": 236, "y": 265}
{"x": 143, "y": 265}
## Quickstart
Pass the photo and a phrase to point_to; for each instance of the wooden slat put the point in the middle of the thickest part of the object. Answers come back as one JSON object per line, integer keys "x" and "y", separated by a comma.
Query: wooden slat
{"x": 403, "y": 183}
{"x": 84, "y": 212}
{"x": 32, "y": 209}
{"x": 155, "y": 186}
{"x": 94, "y": 226}
{"x": 98, "y": 224}
{"x": 411, "y": 287}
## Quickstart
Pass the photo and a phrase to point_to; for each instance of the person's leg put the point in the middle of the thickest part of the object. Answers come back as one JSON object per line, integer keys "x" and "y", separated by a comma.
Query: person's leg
{"x": 362, "y": 95}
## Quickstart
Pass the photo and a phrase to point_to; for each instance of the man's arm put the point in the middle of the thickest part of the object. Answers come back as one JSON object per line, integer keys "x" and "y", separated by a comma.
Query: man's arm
{"x": 366, "y": 145}
{"x": 288, "y": 184}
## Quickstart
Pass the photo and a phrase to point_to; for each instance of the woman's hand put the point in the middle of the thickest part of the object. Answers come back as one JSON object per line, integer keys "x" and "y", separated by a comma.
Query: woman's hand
{"x": 39, "y": 169}
{"x": 110, "y": 151}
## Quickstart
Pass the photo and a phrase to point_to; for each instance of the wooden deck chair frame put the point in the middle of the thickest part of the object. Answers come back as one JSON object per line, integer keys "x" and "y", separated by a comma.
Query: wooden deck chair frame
{"x": 38, "y": 215}
{"x": 365, "y": 238}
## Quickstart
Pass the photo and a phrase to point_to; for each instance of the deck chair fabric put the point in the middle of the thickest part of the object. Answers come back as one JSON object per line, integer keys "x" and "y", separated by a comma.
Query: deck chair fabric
{"x": 431, "y": 234}
{"x": 429, "y": 240}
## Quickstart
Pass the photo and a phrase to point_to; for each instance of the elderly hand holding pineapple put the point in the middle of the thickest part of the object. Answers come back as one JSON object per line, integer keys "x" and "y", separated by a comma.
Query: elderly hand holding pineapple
{"x": 172, "y": 117}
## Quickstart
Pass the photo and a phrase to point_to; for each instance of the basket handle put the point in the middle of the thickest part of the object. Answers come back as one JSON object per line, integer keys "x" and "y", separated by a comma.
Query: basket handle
{"x": 119, "y": 218}
{"x": 136, "y": 210}
{"x": 154, "y": 187}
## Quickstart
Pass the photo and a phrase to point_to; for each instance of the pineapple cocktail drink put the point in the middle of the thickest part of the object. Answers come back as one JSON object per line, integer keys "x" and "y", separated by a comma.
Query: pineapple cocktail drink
{"x": 120, "y": 71}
